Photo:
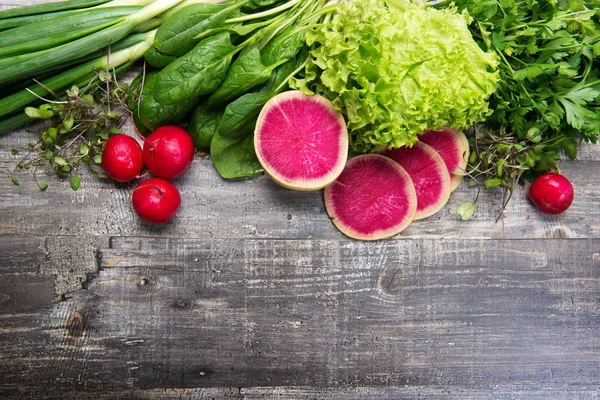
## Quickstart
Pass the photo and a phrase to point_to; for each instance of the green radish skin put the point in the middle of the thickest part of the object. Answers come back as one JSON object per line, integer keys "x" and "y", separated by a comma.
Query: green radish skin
{"x": 374, "y": 198}
{"x": 428, "y": 173}
{"x": 301, "y": 140}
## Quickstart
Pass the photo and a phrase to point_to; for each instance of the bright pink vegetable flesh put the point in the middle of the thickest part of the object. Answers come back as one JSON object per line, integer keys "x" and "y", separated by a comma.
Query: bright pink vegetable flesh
{"x": 372, "y": 199}
{"x": 453, "y": 146}
{"x": 301, "y": 141}
{"x": 428, "y": 173}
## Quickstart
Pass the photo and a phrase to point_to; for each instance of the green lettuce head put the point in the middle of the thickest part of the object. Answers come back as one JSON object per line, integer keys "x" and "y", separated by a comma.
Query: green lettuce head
{"x": 396, "y": 68}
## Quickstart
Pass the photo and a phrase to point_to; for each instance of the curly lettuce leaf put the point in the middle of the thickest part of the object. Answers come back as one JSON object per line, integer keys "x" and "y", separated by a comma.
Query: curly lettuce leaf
{"x": 396, "y": 69}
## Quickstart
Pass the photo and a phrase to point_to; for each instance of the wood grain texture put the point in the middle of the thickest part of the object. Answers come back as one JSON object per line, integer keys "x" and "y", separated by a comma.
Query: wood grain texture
{"x": 175, "y": 313}
{"x": 252, "y": 293}
{"x": 215, "y": 208}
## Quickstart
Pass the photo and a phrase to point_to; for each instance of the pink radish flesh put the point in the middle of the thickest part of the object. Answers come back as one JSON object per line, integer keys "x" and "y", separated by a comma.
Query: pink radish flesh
{"x": 372, "y": 199}
{"x": 301, "y": 141}
{"x": 428, "y": 173}
{"x": 453, "y": 146}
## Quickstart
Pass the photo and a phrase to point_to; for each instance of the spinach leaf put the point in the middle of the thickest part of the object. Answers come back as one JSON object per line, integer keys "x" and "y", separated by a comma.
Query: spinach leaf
{"x": 240, "y": 116}
{"x": 256, "y": 4}
{"x": 157, "y": 59}
{"x": 279, "y": 75}
{"x": 203, "y": 126}
{"x": 285, "y": 46}
{"x": 148, "y": 114}
{"x": 198, "y": 72}
{"x": 235, "y": 158}
{"x": 176, "y": 35}
{"x": 246, "y": 72}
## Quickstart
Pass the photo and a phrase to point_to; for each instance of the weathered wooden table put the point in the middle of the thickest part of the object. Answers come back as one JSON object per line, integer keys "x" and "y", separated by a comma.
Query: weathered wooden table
{"x": 251, "y": 292}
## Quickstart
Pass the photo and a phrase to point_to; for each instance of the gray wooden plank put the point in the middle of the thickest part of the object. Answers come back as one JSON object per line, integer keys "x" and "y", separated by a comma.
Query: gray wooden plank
{"x": 187, "y": 313}
{"x": 78, "y": 223}
{"x": 24, "y": 292}
{"x": 213, "y": 207}
{"x": 22, "y": 254}
{"x": 303, "y": 392}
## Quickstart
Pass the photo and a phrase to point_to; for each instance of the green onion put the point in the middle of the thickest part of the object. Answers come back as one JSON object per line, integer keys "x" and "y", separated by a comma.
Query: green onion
{"x": 83, "y": 46}
{"x": 47, "y": 48}
{"x": 59, "y": 30}
{"x": 17, "y": 101}
{"x": 49, "y": 7}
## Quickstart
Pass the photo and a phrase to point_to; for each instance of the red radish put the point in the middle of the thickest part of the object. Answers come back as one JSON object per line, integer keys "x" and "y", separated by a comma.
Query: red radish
{"x": 372, "y": 199}
{"x": 156, "y": 200}
{"x": 551, "y": 193}
{"x": 428, "y": 173}
{"x": 122, "y": 158}
{"x": 453, "y": 146}
{"x": 168, "y": 151}
{"x": 301, "y": 141}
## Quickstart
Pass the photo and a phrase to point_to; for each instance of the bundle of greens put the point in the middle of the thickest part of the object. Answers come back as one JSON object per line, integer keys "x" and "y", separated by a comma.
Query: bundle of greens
{"x": 221, "y": 63}
{"x": 46, "y": 48}
{"x": 211, "y": 66}
{"x": 395, "y": 68}
{"x": 548, "y": 95}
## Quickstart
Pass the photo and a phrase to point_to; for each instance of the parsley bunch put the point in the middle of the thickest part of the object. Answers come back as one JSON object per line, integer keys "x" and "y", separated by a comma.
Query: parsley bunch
{"x": 548, "y": 95}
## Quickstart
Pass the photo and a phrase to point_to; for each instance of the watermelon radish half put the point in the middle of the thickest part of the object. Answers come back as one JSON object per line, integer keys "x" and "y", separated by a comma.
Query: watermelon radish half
{"x": 301, "y": 141}
{"x": 453, "y": 146}
{"x": 372, "y": 199}
{"x": 428, "y": 173}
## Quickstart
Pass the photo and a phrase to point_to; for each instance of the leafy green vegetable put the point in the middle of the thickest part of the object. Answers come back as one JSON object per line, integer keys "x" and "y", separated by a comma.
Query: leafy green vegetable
{"x": 75, "y": 182}
{"x": 240, "y": 116}
{"x": 246, "y": 72}
{"x": 256, "y": 4}
{"x": 285, "y": 46}
{"x": 157, "y": 59}
{"x": 235, "y": 158}
{"x": 78, "y": 127}
{"x": 396, "y": 68}
{"x": 152, "y": 114}
{"x": 548, "y": 90}
{"x": 466, "y": 210}
{"x": 176, "y": 35}
{"x": 198, "y": 72}
{"x": 203, "y": 126}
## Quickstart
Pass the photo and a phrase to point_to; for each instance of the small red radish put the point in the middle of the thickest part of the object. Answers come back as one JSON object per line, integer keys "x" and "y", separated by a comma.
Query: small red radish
{"x": 156, "y": 200}
{"x": 551, "y": 193}
{"x": 168, "y": 151}
{"x": 122, "y": 158}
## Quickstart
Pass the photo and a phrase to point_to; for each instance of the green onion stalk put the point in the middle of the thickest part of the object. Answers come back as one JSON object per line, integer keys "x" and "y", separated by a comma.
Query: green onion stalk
{"x": 47, "y": 48}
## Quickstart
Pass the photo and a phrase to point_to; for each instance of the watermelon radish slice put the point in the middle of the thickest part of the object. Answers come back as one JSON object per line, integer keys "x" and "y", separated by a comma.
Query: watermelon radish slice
{"x": 428, "y": 173}
{"x": 453, "y": 146}
{"x": 372, "y": 199}
{"x": 301, "y": 140}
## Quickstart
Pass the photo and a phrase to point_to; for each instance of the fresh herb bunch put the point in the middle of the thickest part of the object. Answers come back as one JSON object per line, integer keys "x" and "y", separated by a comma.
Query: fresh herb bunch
{"x": 548, "y": 94}
{"x": 549, "y": 88}
{"x": 79, "y": 125}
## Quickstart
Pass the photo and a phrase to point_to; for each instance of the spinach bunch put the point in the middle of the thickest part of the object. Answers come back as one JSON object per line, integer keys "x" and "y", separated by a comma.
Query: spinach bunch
{"x": 214, "y": 66}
